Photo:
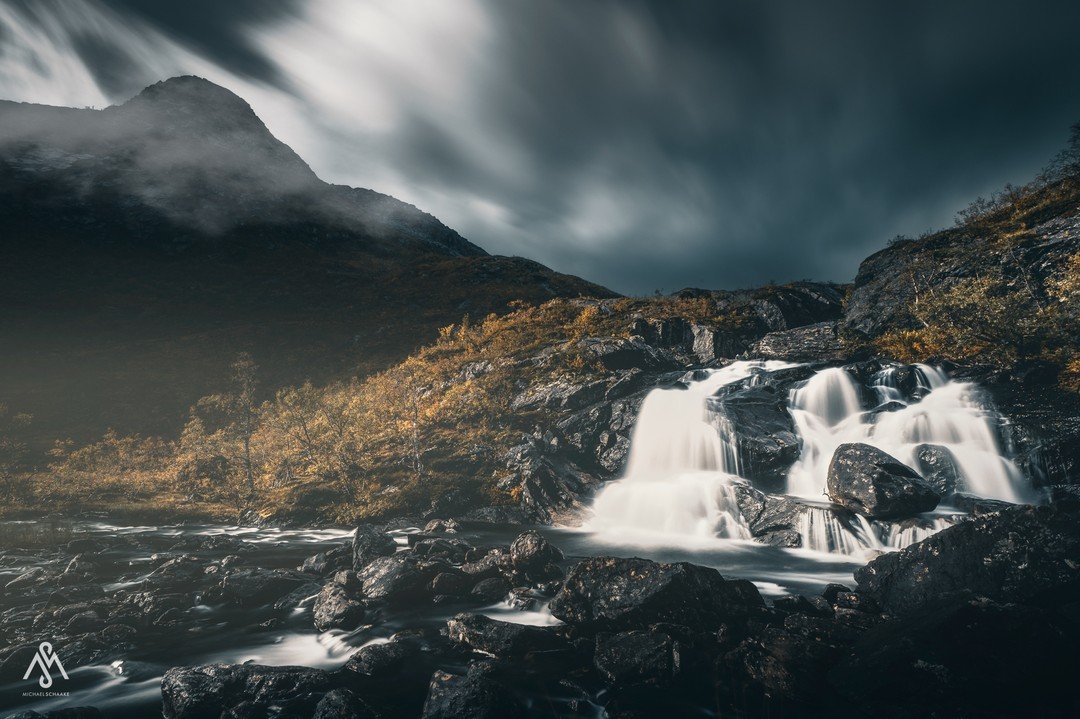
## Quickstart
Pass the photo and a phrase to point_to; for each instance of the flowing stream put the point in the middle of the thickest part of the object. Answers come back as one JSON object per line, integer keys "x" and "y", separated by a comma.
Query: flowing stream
{"x": 676, "y": 502}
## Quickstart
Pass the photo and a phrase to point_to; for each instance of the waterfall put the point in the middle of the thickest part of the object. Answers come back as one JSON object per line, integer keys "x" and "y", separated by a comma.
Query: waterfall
{"x": 940, "y": 411}
{"x": 679, "y": 475}
{"x": 678, "y": 478}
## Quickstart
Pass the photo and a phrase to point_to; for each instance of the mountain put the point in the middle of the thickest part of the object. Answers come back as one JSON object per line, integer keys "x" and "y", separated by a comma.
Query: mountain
{"x": 148, "y": 243}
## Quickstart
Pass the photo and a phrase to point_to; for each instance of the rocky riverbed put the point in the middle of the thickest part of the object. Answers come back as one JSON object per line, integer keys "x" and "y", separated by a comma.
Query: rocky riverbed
{"x": 451, "y": 620}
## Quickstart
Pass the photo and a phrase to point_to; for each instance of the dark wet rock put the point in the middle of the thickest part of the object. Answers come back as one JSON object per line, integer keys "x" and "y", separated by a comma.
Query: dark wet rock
{"x": 452, "y": 550}
{"x": 83, "y": 622}
{"x": 938, "y": 467}
{"x": 298, "y": 596}
{"x": 772, "y": 519}
{"x": 442, "y": 526}
{"x": 784, "y": 667}
{"x": 599, "y": 436}
{"x": 151, "y": 605}
{"x": 609, "y": 593}
{"x": 756, "y": 417}
{"x": 498, "y": 516}
{"x": 832, "y": 591}
{"x": 618, "y": 353}
{"x": 256, "y": 586}
{"x": 1043, "y": 430}
{"x": 502, "y": 639}
{"x": 183, "y": 570}
{"x": 475, "y": 695}
{"x": 30, "y": 577}
{"x": 490, "y": 590}
{"x": 820, "y": 342}
{"x": 493, "y": 564}
{"x": 338, "y": 605}
{"x": 383, "y": 661}
{"x": 551, "y": 487}
{"x": 1021, "y": 554}
{"x": 561, "y": 395}
{"x": 451, "y": 584}
{"x": 401, "y": 578}
{"x": 328, "y": 562}
{"x": 392, "y": 677}
{"x": 370, "y": 544}
{"x": 970, "y": 657}
{"x": 973, "y": 504}
{"x": 637, "y": 657}
{"x": 872, "y": 483}
{"x": 798, "y": 604}
{"x": 205, "y": 692}
{"x": 530, "y": 550}
{"x": 342, "y": 704}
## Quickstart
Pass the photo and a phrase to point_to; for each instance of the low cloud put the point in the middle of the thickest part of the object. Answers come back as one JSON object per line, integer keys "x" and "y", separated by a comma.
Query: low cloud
{"x": 642, "y": 145}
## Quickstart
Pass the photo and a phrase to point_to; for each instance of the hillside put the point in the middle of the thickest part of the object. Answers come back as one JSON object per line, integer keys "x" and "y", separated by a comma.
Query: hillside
{"x": 147, "y": 244}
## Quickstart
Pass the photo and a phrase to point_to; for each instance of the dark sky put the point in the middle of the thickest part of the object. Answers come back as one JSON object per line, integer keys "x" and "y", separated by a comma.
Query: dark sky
{"x": 642, "y": 145}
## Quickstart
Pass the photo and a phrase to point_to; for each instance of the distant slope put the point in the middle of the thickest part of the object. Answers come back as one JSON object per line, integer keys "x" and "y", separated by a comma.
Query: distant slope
{"x": 146, "y": 244}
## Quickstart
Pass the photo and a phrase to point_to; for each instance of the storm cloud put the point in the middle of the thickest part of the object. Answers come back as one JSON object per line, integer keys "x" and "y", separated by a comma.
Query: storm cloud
{"x": 643, "y": 145}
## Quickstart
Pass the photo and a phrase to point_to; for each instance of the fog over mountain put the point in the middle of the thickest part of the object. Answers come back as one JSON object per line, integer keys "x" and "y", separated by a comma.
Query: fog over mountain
{"x": 761, "y": 141}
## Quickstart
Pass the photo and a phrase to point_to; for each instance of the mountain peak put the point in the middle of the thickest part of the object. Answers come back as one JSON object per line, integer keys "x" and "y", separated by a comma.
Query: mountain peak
{"x": 191, "y": 100}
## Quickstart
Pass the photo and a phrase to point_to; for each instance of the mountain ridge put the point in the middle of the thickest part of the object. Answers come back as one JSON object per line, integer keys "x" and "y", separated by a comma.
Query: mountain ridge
{"x": 149, "y": 242}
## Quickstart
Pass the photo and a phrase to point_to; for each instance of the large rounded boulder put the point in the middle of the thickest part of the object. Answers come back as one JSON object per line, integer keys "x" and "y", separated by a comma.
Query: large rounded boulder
{"x": 877, "y": 485}
{"x": 615, "y": 593}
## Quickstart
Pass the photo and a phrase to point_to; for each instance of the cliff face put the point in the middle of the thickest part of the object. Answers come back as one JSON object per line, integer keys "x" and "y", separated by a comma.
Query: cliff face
{"x": 147, "y": 243}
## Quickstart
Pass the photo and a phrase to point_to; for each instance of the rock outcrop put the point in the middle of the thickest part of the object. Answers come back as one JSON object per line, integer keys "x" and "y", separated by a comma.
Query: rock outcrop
{"x": 1020, "y": 554}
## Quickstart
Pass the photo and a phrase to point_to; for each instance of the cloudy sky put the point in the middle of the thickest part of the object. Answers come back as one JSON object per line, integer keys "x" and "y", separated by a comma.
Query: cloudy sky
{"x": 644, "y": 145}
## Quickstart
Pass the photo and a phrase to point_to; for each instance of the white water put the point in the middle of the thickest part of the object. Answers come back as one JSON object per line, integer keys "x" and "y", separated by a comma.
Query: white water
{"x": 827, "y": 413}
{"x": 678, "y": 485}
{"x": 679, "y": 473}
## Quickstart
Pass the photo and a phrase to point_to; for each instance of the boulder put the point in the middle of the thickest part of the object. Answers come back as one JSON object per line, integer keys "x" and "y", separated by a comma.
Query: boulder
{"x": 370, "y": 544}
{"x": 342, "y": 704}
{"x": 530, "y": 550}
{"x": 328, "y": 562}
{"x": 502, "y": 639}
{"x": 820, "y": 342}
{"x": 872, "y": 483}
{"x": 614, "y": 593}
{"x": 938, "y": 467}
{"x": 206, "y": 692}
{"x": 400, "y": 578}
{"x": 772, "y": 519}
{"x": 490, "y": 590}
{"x": 637, "y": 657}
{"x": 255, "y": 586}
{"x": 756, "y": 418}
{"x": 1020, "y": 554}
{"x": 392, "y": 677}
{"x": 338, "y": 605}
{"x": 475, "y": 695}
{"x": 971, "y": 657}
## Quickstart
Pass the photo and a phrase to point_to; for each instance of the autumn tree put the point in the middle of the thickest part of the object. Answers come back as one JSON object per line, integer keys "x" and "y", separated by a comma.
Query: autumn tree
{"x": 12, "y": 450}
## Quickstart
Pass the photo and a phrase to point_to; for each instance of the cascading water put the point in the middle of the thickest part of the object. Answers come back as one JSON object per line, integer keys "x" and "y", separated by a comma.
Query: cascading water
{"x": 828, "y": 412}
{"x": 683, "y": 464}
{"x": 679, "y": 474}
